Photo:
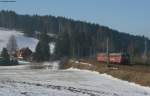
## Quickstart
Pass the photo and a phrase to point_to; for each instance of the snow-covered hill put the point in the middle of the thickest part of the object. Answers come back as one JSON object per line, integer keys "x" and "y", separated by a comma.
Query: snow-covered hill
{"x": 21, "y": 81}
{"x": 22, "y": 40}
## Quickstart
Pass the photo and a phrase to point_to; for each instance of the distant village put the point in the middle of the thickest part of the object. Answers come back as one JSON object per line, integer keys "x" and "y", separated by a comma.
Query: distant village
{"x": 11, "y": 54}
{"x": 21, "y": 54}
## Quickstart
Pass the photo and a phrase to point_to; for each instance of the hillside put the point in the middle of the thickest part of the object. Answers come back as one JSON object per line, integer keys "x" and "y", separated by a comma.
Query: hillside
{"x": 75, "y": 38}
{"x": 22, "y": 41}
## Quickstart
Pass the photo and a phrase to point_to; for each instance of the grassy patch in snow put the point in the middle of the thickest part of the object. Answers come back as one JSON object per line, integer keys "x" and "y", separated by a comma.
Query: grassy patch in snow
{"x": 139, "y": 74}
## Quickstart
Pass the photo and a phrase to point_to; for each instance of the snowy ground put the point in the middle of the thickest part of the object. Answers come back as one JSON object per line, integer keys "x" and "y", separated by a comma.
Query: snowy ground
{"x": 22, "y": 81}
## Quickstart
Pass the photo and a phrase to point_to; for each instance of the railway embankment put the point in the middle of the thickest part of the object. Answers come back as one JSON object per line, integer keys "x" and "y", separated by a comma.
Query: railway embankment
{"x": 139, "y": 74}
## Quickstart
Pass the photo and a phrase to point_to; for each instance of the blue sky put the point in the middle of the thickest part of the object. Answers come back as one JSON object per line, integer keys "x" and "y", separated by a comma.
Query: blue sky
{"x": 131, "y": 16}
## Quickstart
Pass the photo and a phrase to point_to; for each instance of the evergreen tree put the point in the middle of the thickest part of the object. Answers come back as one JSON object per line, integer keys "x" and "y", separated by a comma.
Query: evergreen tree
{"x": 62, "y": 47}
{"x": 42, "y": 51}
{"x": 5, "y": 56}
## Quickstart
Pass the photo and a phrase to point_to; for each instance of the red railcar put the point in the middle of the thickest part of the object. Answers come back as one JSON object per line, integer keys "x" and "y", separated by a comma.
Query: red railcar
{"x": 116, "y": 58}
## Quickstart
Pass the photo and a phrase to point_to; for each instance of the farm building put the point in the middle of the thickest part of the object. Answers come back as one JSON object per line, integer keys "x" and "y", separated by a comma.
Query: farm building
{"x": 24, "y": 53}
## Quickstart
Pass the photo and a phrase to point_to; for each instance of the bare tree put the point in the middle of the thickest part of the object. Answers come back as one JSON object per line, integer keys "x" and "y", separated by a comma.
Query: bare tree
{"x": 12, "y": 45}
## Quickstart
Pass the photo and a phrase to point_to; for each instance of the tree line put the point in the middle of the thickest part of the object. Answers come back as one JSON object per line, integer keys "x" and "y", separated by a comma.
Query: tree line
{"x": 75, "y": 38}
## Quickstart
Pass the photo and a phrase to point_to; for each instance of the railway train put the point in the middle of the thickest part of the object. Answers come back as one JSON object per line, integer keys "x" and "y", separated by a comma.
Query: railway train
{"x": 114, "y": 58}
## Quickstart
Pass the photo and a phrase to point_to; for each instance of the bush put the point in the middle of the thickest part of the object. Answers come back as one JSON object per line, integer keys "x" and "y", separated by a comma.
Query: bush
{"x": 14, "y": 62}
{"x": 4, "y": 62}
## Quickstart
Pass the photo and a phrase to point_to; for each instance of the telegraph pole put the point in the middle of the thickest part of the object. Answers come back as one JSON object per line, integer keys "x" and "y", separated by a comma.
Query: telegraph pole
{"x": 145, "y": 52}
{"x": 107, "y": 53}
{"x": 97, "y": 41}
{"x": 59, "y": 27}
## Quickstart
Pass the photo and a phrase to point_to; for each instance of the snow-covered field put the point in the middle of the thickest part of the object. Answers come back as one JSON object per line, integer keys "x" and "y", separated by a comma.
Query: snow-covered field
{"x": 22, "y": 81}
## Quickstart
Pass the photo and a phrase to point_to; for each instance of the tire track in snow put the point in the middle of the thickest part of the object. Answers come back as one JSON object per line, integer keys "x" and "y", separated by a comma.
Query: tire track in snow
{"x": 71, "y": 89}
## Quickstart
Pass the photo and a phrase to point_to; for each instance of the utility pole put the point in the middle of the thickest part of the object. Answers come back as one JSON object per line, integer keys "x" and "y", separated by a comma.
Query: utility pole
{"x": 78, "y": 51}
{"x": 73, "y": 53}
{"x": 97, "y": 41}
{"x": 145, "y": 52}
{"x": 59, "y": 27}
{"x": 107, "y": 53}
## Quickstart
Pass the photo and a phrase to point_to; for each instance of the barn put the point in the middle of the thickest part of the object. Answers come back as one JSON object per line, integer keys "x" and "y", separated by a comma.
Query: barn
{"x": 24, "y": 53}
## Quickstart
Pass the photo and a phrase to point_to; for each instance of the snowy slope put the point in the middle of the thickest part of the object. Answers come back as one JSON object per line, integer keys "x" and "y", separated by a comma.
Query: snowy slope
{"x": 22, "y": 40}
{"x": 72, "y": 82}
{"x": 26, "y": 42}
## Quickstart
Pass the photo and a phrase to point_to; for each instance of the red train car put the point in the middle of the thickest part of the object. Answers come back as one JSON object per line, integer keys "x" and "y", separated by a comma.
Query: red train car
{"x": 115, "y": 58}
